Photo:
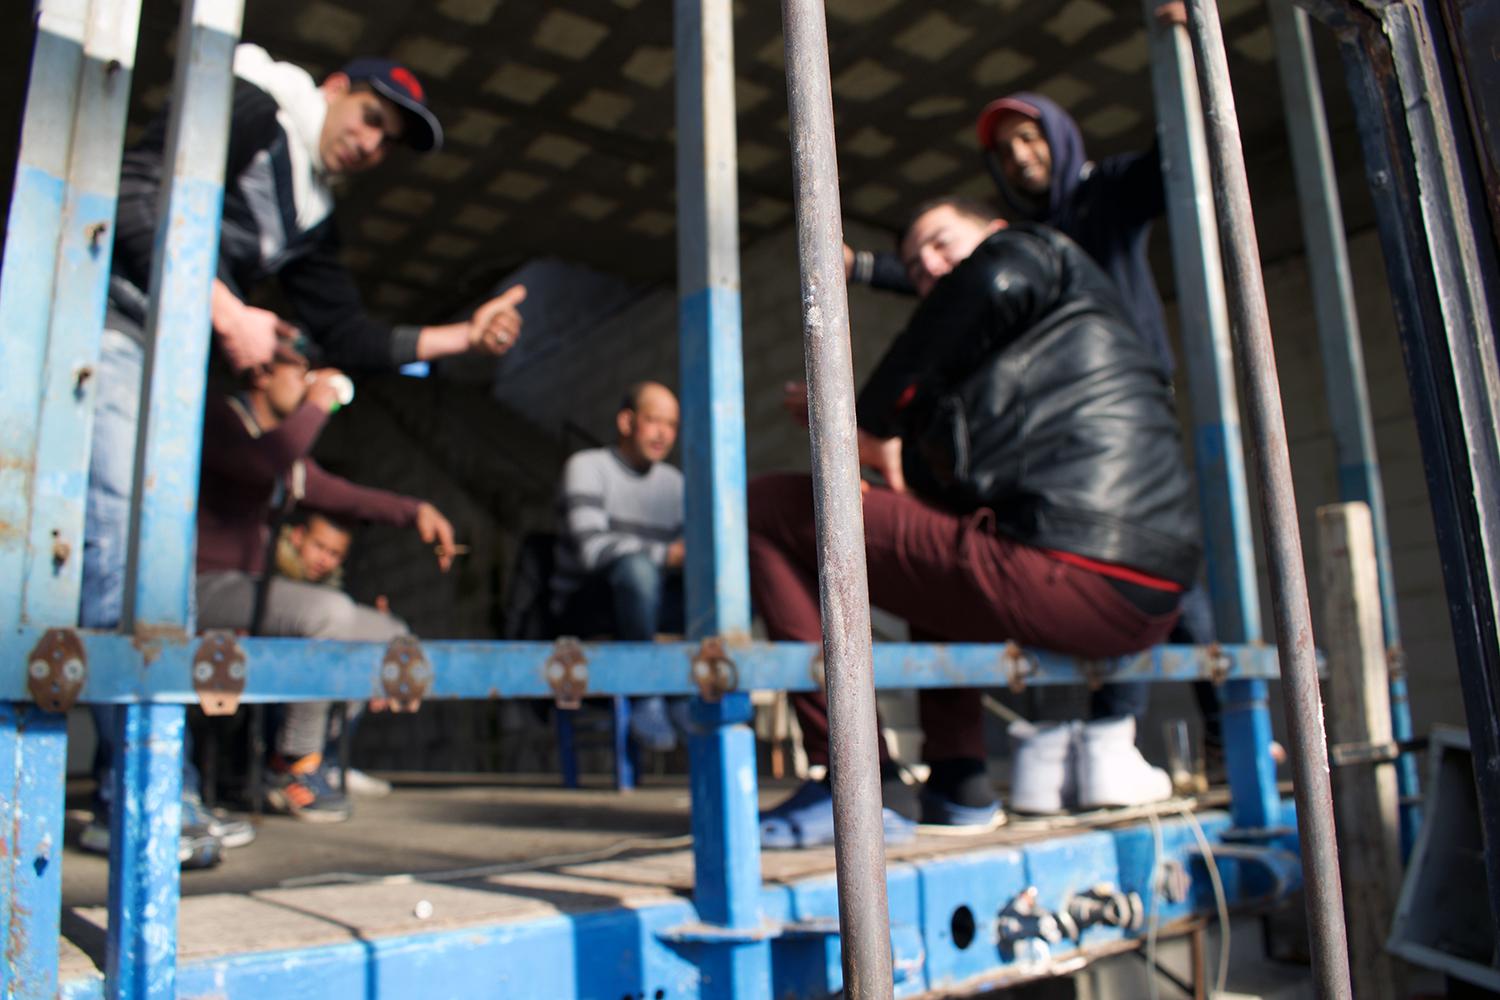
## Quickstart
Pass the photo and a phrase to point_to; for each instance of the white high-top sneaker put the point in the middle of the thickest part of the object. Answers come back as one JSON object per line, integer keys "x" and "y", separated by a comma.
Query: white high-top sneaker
{"x": 1111, "y": 770}
{"x": 1041, "y": 766}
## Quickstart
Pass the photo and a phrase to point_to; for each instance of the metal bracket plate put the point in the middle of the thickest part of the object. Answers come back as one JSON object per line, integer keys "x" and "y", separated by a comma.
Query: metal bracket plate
{"x": 57, "y": 669}
{"x": 1019, "y": 665}
{"x": 567, "y": 672}
{"x": 405, "y": 673}
{"x": 713, "y": 671}
{"x": 219, "y": 671}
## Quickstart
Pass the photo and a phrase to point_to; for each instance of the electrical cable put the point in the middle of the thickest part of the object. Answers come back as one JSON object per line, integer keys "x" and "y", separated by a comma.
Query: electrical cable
{"x": 507, "y": 868}
{"x": 1152, "y": 880}
{"x": 1221, "y": 976}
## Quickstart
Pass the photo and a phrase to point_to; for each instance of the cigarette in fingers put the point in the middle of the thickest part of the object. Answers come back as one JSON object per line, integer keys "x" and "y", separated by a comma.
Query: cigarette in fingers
{"x": 451, "y": 550}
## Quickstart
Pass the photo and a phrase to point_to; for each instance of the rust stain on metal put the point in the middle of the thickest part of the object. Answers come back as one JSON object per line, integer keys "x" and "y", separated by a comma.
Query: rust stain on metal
{"x": 57, "y": 669}
{"x": 713, "y": 671}
{"x": 1217, "y": 663}
{"x": 567, "y": 672}
{"x": 405, "y": 673}
{"x": 149, "y": 639}
{"x": 219, "y": 673}
{"x": 1019, "y": 665}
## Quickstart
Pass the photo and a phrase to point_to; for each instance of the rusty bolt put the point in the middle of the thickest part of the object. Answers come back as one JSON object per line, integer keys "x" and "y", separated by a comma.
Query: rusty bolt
{"x": 96, "y": 234}
{"x": 61, "y": 550}
{"x": 80, "y": 378}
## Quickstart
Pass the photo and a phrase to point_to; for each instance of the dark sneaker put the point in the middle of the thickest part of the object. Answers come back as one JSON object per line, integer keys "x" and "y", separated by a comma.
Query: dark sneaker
{"x": 300, "y": 790}
{"x": 231, "y": 831}
{"x": 196, "y": 847}
{"x": 650, "y": 725}
{"x": 806, "y": 820}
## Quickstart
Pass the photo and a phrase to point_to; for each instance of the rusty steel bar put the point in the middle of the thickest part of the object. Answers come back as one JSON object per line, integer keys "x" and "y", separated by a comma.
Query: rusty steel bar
{"x": 859, "y": 844}
{"x": 1251, "y": 325}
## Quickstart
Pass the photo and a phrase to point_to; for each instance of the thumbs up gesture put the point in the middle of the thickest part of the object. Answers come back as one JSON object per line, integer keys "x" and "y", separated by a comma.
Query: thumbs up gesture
{"x": 496, "y": 326}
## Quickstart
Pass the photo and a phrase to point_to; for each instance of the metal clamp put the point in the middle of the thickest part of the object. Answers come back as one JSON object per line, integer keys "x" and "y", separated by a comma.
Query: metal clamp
{"x": 713, "y": 671}
{"x": 1217, "y": 663}
{"x": 1173, "y": 880}
{"x": 1019, "y": 665}
{"x": 219, "y": 669}
{"x": 405, "y": 673}
{"x": 57, "y": 669}
{"x": 1101, "y": 904}
{"x": 567, "y": 672}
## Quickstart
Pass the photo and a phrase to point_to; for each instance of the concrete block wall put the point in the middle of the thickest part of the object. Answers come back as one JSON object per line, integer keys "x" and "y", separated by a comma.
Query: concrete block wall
{"x": 582, "y": 384}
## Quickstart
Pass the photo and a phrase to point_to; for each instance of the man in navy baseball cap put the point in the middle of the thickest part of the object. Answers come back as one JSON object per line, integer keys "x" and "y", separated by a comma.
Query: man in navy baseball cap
{"x": 400, "y": 86}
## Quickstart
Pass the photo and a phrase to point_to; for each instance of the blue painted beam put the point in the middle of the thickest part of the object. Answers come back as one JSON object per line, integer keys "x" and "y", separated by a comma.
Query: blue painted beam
{"x": 123, "y": 669}
{"x": 33, "y": 766}
{"x": 54, "y": 558}
{"x": 1218, "y": 450}
{"x": 26, "y": 284}
{"x": 643, "y": 952}
{"x": 145, "y": 818}
{"x": 726, "y": 839}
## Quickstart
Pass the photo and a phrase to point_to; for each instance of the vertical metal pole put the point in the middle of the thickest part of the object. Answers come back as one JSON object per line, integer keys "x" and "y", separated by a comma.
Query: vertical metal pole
{"x": 859, "y": 843}
{"x": 32, "y": 232}
{"x": 51, "y": 308}
{"x": 145, "y": 824}
{"x": 1343, "y": 354}
{"x": 1294, "y": 637}
{"x": 1223, "y": 494}
{"x": 143, "y": 890}
{"x": 1444, "y": 314}
{"x": 726, "y": 831}
{"x": 54, "y": 559}
{"x": 33, "y": 765}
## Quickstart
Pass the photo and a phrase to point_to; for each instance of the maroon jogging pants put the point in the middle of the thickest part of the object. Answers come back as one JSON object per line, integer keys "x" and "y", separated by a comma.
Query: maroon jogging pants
{"x": 953, "y": 578}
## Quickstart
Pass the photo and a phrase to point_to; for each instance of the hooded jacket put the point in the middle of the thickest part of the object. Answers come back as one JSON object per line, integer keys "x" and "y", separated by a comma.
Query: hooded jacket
{"x": 277, "y": 218}
{"x": 1105, "y": 207}
{"x": 1019, "y": 386}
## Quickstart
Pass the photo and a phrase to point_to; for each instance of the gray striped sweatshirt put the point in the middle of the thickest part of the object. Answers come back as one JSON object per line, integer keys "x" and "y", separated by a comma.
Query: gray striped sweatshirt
{"x": 606, "y": 510}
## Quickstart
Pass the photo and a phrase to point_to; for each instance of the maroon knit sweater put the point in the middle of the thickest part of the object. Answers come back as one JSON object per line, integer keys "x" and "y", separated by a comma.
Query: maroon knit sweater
{"x": 242, "y": 466}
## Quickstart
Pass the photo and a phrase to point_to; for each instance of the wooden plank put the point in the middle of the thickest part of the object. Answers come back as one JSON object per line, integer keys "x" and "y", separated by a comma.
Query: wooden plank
{"x": 1365, "y": 797}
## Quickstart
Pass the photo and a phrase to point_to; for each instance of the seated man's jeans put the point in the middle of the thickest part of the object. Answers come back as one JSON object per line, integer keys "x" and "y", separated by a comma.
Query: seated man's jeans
{"x": 631, "y": 599}
{"x": 106, "y": 523}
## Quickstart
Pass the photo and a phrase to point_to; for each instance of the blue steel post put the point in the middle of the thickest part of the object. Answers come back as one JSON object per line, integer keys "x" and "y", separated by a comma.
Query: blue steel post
{"x": 32, "y": 747}
{"x": 1343, "y": 354}
{"x": 143, "y": 889}
{"x": 54, "y": 557}
{"x": 31, "y": 239}
{"x": 726, "y": 834}
{"x": 1223, "y": 496}
{"x": 70, "y": 165}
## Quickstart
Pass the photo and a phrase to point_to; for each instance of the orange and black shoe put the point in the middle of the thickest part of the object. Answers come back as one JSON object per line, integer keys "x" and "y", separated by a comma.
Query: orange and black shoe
{"x": 299, "y": 789}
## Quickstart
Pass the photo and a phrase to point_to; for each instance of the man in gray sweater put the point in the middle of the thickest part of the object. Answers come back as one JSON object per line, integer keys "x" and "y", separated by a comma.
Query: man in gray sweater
{"x": 620, "y": 546}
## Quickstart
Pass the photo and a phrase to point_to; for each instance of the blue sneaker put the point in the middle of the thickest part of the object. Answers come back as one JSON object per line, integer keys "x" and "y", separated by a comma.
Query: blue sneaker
{"x": 650, "y": 725}
{"x": 806, "y": 820}
{"x": 938, "y": 810}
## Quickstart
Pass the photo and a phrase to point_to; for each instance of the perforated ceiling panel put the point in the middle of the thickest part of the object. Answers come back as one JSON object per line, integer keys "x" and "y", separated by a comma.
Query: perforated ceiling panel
{"x": 559, "y": 117}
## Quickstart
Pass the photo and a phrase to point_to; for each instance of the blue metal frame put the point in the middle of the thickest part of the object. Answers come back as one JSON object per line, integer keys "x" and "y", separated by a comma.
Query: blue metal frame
{"x": 1223, "y": 494}
{"x": 658, "y": 950}
{"x": 145, "y": 819}
{"x": 737, "y": 937}
{"x": 1343, "y": 353}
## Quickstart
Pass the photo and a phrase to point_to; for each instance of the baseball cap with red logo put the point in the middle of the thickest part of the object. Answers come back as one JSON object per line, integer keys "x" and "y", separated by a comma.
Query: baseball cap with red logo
{"x": 400, "y": 85}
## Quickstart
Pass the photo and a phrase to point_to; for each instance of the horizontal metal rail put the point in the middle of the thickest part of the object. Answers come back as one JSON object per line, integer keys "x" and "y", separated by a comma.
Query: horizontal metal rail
{"x": 121, "y": 670}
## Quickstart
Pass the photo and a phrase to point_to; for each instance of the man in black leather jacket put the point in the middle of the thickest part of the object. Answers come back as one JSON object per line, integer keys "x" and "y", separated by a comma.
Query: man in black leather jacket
{"x": 1035, "y": 490}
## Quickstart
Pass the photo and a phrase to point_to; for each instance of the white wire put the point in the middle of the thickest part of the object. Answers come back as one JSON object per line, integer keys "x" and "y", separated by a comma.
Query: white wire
{"x": 1157, "y": 849}
{"x": 508, "y": 868}
{"x": 1222, "y": 975}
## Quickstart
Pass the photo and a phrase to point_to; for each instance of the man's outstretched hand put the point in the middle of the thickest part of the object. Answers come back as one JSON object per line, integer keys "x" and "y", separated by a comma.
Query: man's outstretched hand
{"x": 246, "y": 334}
{"x": 435, "y": 530}
{"x": 496, "y": 326}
